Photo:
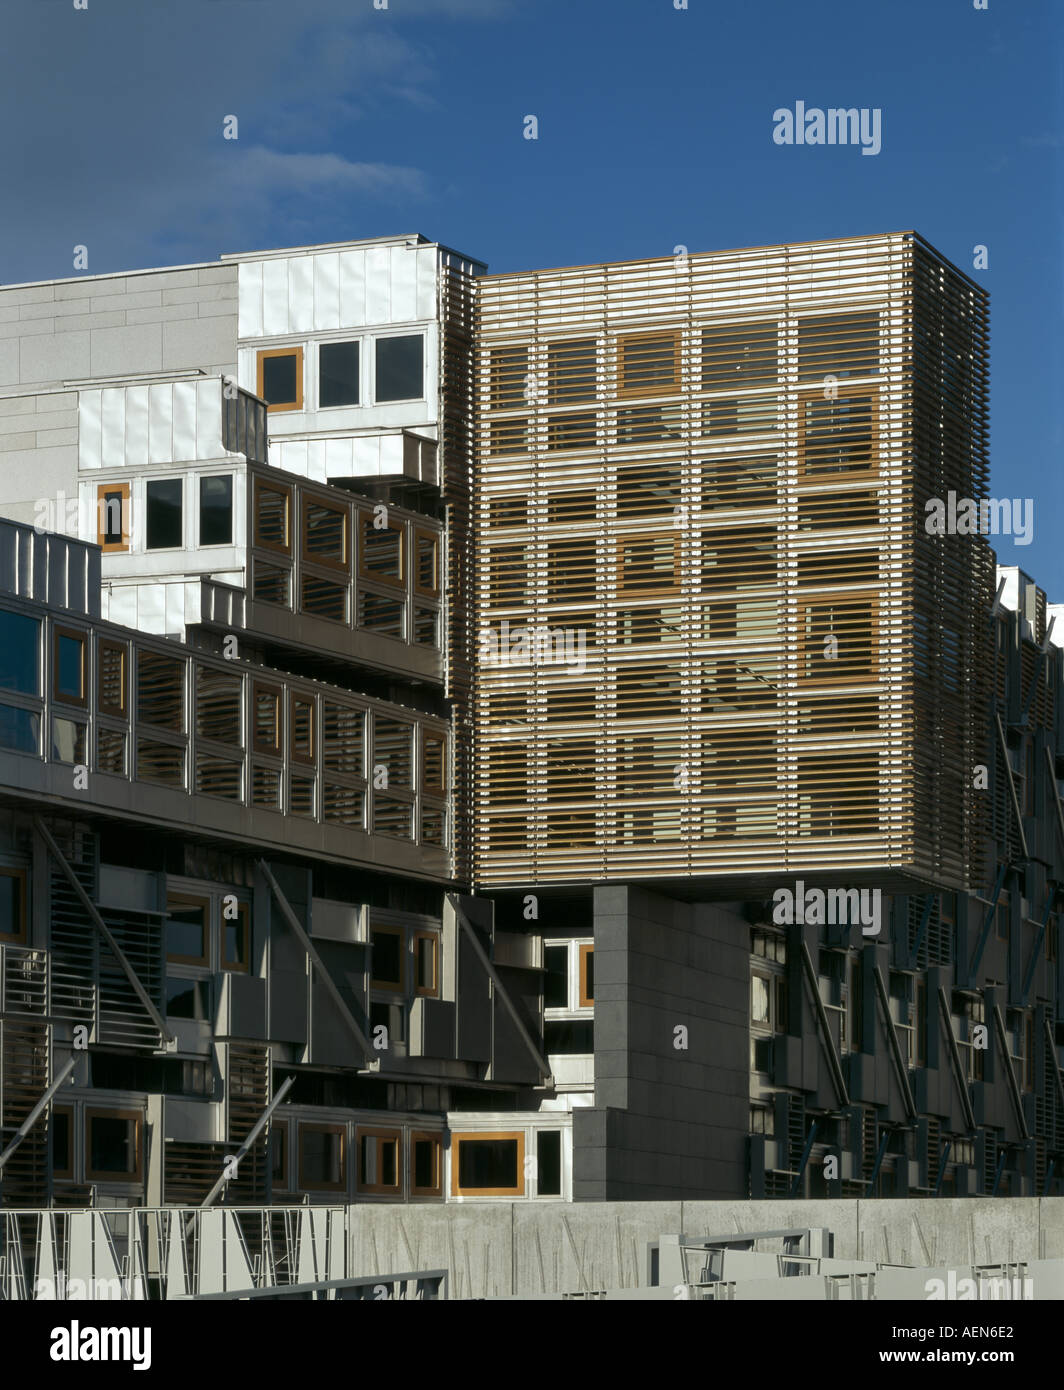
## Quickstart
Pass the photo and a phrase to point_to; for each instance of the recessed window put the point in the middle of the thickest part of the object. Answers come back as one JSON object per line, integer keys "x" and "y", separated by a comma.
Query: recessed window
{"x": 69, "y": 672}
{"x": 218, "y": 706}
{"x": 426, "y": 1155}
{"x": 549, "y": 1162}
{"x": 216, "y": 510}
{"x": 280, "y": 378}
{"x": 160, "y": 690}
{"x": 649, "y": 364}
{"x": 13, "y": 906}
{"x": 187, "y": 940}
{"x": 387, "y": 958}
{"x": 266, "y": 708}
{"x": 425, "y": 962}
{"x": 587, "y": 976}
{"x": 382, "y": 550}
{"x": 302, "y": 717}
{"x": 488, "y": 1165}
{"x": 69, "y": 741}
{"x": 342, "y": 735}
{"x": 337, "y": 374}
{"x": 400, "y": 368}
{"x": 112, "y": 516}
{"x": 113, "y": 1146}
{"x": 111, "y": 662}
{"x": 427, "y": 563}
{"x": 433, "y": 770}
{"x": 189, "y": 999}
{"x": 19, "y": 655}
{"x": 379, "y": 1169}
{"x": 236, "y": 939}
{"x": 325, "y": 533}
{"x": 165, "y": 527}
{"x": 323, "y": 1157}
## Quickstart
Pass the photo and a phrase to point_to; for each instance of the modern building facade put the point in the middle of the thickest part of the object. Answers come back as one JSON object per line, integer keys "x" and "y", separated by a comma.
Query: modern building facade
{"x": 471, "y": 737}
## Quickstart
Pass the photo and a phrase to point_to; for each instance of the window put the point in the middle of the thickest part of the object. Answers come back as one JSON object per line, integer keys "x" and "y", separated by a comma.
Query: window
{"x": 302, "y": 728}
{"x": 649, "y": 364}
{"x": 425, "y": 962}
{"x": 742, "y": 355}
{"x": 111, "y": 676}
{"x": 218, "y": 700}
{"x": 63, "y": 1142}
{"x": 568, "y": 507}
{"x": 216, "y": 510}
{"x": 280, "y": 378}
{"x": 651, "y": 491}
{"x": 69, "y": 741}
{"x": 266, "y": 712}
{"x": 325, "y": 533}
{"x": 20, "y": 730}
{"x": 379, "y": 1169}
{"x": 19, "y": 655}
{"x": 272, "y": 511}
{"x": 236, "y": 939}
{"x": 647, "y": 564}
{"x": 187, "y": 928}
{"x": 382, "y": 550}
{"x": 386, "y": 616}
{"x": 556, "y": 978}
{"x": 337, "y": 374}
{"x": 571, "y": 431}
{"x": 507, "y": 436}
{"x": 507, "y": 377}
{"x": 113, "y": 1146}
{"x": 426, "y": 1155}
{"x": 586, "y": 997}
{"x": 69, "y": 669}
{"x": 488, "y": 1165}
{"x": 387, "y": 958}
{"x": 840, "y": 345}
{"x": 13, "y": 906}
{"x": 400, "y": 369}
{"x": 243, "y": 424}
{"x": 513, "y": 511}
{"x": 112, "y": 516}
{"x": 549, "y": 1162}
{"x": 837, "y": 435}
{"x": 342, "y": 739}
{"x": 740, "y": 415}
{"x": 279, "y": 1154}
{"x": 162, "y": 763}
{"x": 837, "y": 640}
{"x": 434, "y": 753}
{"x": 571, "y": 371}
{"x": 323, "y": 1157}
{"x": 160, "y": 690}
{"x": 165, "y": 526}
{"x": 427, "y": 563}
{"x": 188, "y": 998}
{"x": 393, "y": 751}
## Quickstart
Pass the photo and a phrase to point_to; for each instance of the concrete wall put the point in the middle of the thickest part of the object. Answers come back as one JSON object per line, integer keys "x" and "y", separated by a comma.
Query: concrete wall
{"x": 39, "y": 458}
{"x": 525, "y": 1248}
{"x": 112, "y": 325}
{"x": 668, "y": 1120}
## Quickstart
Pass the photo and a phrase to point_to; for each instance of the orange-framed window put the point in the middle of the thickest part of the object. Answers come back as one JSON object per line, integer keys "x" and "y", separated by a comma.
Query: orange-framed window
{"x": 323, "y": 1158}
{"x": 273, "y": 516}
{"x": 112, "y": 517}
{"x": 236, "y": 940}
{"x": 279, "y": 374}
{"x": 387, "y": 963}
{"x": 648, "y": 364}
{"x": 426, "y": 1164}
{"x": 63, "y": 1142}
{"x": 838, "y": 433}
{"x": 587, "y": 976}
{"x": 426, "y": 962}
{"x": 434, "y": 762}
{"x": 114, "y": 1150}
{"x": 326, "y": 539}
{"x": 13, "y": 907}
{"x": 188, "y": 940}
{"x": 70, "y": 665}
{"x": 427, "y": 563}
{"x": 112, "y": 677}
{"x": 488, "y": 1165}
{"x": 382, "y": 550}
{"x": 380, "y": 1169}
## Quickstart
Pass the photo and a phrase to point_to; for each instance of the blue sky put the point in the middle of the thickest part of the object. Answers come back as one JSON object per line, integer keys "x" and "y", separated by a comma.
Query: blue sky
{"x": 655, "y": 129}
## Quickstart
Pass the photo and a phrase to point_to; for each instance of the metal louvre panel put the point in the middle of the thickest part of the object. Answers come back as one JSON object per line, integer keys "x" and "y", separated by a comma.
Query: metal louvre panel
{"x": 734, "y": 522}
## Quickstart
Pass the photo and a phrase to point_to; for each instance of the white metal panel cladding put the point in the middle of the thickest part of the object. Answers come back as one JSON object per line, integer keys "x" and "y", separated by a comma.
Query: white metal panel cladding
{"x": 301, "y": 294}
{"x": 403, "y": 284}
{"x": 326, "y": 290}
{"x": 112, "y": 423}
{"x": 352, "y": 288}
{"x": 208, "y": 419}
{"x": 161, "y": 432}
{"x": 90, "y": 429}
{"x": 378, "y": 287}
{"x": 135, "y": 444}
{"x": 249, "y": 288}
{"x": 168, "y": 422}
{"x": 275, "y": 307}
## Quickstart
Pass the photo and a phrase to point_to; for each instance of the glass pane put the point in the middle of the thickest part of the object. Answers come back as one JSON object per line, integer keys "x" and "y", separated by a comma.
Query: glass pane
{"x": 218, "y": 777}
{"x": 271, "y": 584}
{"x": 20, "y": 730}
{"x": 487, "y": 1163}
{"x": 218, "y": 699}
{"x": 160, "y": 691}
{"x": 382, "y": 615}
{"x": 68, "y": 741}
{"x": 110, "y": 506}
{"x": 400, "y": 371}
{"x": 267, "y": 720}
{"x": 186, "y": 930}
{"x": 112, "y": 1145}
{"x": 11, "y": 910}
{"x": 188, "y": 999}
{"x": 110, "y": 751}
{"x": 556, "y": 981}
{"x": 111, "y": 661}
{"x": 342, "y": 732}
{"x": 70, "y": 667}
{"x": 387, "y": 957}
{"x": 18, "y": 653}
{"x": 425, "y": 1165}
{"x": 569, "y": 1037}
{"x": 164, "y": 529}
{"x": 271, "y": 517}
{"x": 337, "y": 374}
{"x": 392, "y": 751}
{"x": 324, "y": 598}
{"x": 216, "y": 510}
{"x": 549, "y": 1162}
{"x": 279, "y": 378}
{"x": 160, "y": 762}
{"x": 324, "y": 532}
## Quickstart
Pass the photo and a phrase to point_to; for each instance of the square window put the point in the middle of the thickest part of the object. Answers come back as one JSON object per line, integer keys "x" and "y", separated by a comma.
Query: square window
{"x": 13, "y": 906}
{"x": 187, "y": 940}
{"x": 337, "y": 374}
{"x": 325, "y": 533}
{"x": 113, "y": 1146}
{"x": 165, "y": 526}
{"x": 216, "y": 510}
{"x": 112, "y": 516}
{"x": 68, "y": 677}
{"x": 649, "y": 364}
{"x": 488, "y": 1165}
{"x": 571, "y": 371}
{"x": 379, "y": 1169}
{"x": 280, "y": 378}
{"x": 161, "y": 763}
{"x": 382, "y": 550}
{"x": 323, "y": 1157}
{"x": 400, "y": 368}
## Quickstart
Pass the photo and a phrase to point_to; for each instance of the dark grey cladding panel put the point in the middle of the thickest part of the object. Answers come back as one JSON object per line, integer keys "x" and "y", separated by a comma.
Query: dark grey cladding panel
{"x": 332, "y": 1042}
{"x": 288, "y": 1006}
{"x": 53, "y": 569}
{"x": 511, "y": 1059}
{"x": 247, "y": 1007}
{"x": 474, "y": 1004}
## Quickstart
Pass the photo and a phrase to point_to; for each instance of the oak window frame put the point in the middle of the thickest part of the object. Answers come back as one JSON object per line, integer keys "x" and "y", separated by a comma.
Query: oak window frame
{"x": 133, "y": 1117}
{"x": 457, "y": 1140}
{"x": 21, "y": 877}
{"x": 321, "y": 1185}
{"x": 379, "y": 1137}
{"x": 103, "y": 490}
{"x": 295, "y": 351}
